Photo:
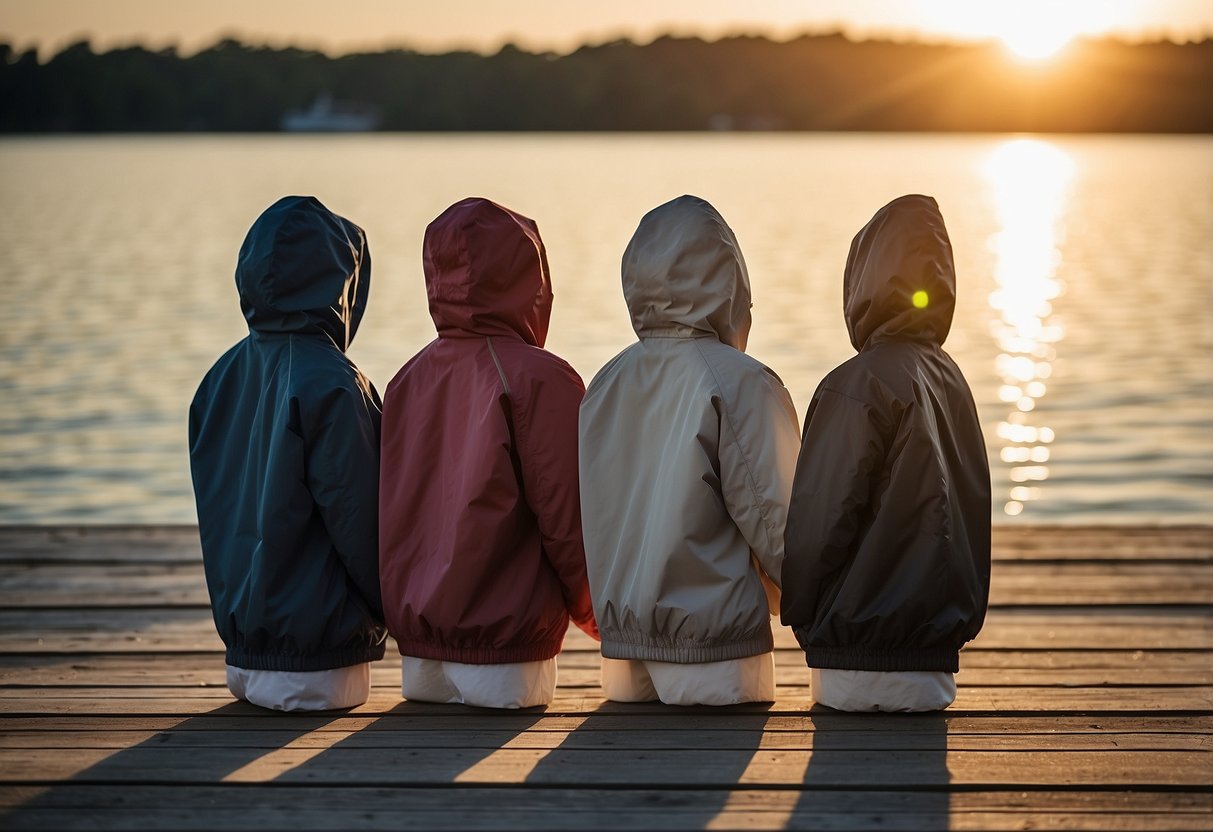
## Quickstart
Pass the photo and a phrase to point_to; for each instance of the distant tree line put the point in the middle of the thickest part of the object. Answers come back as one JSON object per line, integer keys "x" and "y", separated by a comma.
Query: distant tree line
{"x": 823, "y": 82}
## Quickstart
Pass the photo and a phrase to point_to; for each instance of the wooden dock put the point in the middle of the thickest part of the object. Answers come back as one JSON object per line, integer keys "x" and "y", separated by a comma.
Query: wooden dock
{"x": 1086, "y": 703}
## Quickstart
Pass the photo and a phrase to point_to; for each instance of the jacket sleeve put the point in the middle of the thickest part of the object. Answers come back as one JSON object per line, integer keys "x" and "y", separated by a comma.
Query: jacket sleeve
{"x": 758, "y": 445}
{"x": 343, "y": 478}
{"x": 546, "y": 424}
{"x": 841, "y": 456}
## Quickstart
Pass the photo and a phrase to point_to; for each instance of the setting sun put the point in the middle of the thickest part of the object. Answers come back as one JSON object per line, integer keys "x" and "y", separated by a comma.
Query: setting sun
{"x": 1033, "y": 30}
{"x": 1038, "y": 29}
{"x": 1028, "y": 40}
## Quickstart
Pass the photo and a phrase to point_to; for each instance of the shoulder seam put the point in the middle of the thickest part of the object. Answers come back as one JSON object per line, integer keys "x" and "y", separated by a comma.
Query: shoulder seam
{"x": 750, "y": 479}
{"x": 497, "y": 362}
{"x": 855, "y": 399}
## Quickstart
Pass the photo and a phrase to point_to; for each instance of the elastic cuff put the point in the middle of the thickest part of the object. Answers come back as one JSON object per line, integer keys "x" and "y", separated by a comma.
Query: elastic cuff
{"x": 238, "y": 657}
{"x": 654, "y": 651}
{"x": 480, "y": 655}
{"x": 891, "y": 660}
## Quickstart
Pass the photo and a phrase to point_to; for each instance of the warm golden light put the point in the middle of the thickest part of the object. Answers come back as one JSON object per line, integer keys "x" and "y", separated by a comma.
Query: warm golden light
{"x": 1027, "y": 39}
{"x": 563, "y": 26}
{"x": 1029, "y": 180}
{"x": 778, "y": 806}
{"x": 920, "y": 299}
{"x": 513, "y": 761}
{"x": 1033, "y": 30}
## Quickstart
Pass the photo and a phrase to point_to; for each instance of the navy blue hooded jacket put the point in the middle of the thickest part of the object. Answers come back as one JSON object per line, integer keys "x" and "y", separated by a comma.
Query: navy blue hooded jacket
{"x": 284, "y": 450}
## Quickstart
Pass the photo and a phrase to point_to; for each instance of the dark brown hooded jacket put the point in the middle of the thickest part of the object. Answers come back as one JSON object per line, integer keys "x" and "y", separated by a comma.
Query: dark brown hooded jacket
{"x": 887, "y": 547}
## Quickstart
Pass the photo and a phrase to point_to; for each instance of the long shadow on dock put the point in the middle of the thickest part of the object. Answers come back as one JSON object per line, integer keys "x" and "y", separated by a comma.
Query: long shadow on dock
{"x": 239, "y": 765}
{"x": 675, "y": 768}
{"x": 234, "y": 743}
{"x": 416, "y": 744}
{"x": 876, "y": 767}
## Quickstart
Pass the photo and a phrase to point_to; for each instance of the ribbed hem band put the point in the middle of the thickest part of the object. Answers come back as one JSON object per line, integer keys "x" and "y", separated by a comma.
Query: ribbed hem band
{"x": 480, "y": 655}
{"x": 656, "y": 651}
{"x": 895, "y": 661}
{"x": 238, "y": 657}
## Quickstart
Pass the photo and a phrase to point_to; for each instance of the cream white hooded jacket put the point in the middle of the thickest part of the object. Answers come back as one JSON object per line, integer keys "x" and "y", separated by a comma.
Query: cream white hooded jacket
{"x": 687, "y": 452}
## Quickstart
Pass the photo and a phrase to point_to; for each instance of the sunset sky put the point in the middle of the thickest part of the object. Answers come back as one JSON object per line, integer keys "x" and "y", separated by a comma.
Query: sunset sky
{"x": 563, "y": 24}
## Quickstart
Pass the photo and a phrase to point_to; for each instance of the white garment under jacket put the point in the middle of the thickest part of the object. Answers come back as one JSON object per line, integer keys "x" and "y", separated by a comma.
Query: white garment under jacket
{"x": 730, "y": 682}
{"x": 867, "y": 690}
{"x": 320, "y": 690}
{"x": 513, "y": 685}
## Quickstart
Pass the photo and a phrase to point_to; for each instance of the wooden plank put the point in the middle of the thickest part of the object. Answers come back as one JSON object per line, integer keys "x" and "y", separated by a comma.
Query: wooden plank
{"x": 76, "y": 806}
{"x": 192, "y": 630}
{"x": 589, "y": 658}
{"x": 787, "y": 657}
{"x": 1174, "y": 628}
{"x": 77, "y": 585}
{"x": 1017, "y": 542}
{"x": 409, "y": 717}
{"x": 684, "y": 768}
{"x": 106, "y": 631}
{"x": 1100, "y": 584}
{"x": 156, "y": 671}
{"x": 100, "y": 544}
{"x": 1028, "y": 583}
{"x": 613, "y": 739}
{"x": 1012, "y": 541}
{"x": 161, "y": 701}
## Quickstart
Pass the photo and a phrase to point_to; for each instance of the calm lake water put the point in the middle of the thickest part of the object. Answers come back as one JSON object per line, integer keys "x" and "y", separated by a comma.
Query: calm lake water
{"x": 1084, "y": 322}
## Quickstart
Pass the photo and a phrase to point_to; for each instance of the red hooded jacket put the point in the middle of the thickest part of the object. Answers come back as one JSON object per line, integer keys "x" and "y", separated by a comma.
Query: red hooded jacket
{"x": 480, "y": 551}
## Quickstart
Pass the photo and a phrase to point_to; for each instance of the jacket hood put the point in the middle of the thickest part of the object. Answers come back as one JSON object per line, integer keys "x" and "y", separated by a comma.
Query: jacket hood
{"x": 302, "y": 268}
{"x": 683, "y": 273}
{"x": 900, "y": 280}
{"x": 486, "y": 272}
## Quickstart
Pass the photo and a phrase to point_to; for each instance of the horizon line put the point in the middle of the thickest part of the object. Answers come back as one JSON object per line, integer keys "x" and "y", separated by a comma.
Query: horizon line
{"x": 897, "y": 37}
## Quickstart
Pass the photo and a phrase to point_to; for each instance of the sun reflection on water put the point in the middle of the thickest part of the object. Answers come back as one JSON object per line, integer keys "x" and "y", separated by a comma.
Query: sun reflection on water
{"x": 1029, "y": 181}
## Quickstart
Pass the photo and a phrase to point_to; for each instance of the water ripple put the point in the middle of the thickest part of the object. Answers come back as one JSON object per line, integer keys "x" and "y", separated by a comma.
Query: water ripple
{"x": 118, "y": 256}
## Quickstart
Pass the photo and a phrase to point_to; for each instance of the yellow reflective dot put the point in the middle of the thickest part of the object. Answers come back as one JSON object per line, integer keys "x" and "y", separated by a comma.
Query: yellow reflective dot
{"x": 919, "y": 299}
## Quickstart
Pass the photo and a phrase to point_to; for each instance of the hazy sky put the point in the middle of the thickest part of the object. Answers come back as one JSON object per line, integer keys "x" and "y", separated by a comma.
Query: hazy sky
{"x": 563, "y": 24}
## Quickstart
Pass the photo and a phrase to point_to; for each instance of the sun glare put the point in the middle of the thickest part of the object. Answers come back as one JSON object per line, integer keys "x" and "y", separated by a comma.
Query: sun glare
{"x": 1032, "y": 30}
{"x": 1032, "y": 42}
{"x": 1029, "y": 181}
